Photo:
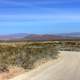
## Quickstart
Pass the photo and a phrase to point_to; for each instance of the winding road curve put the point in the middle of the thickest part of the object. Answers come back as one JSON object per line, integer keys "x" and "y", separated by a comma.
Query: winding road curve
{"x": 67, "y": 68}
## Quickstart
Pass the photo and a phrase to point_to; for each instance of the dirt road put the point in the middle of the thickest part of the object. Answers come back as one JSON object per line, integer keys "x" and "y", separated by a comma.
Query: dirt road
{"x": 66, "y": 69}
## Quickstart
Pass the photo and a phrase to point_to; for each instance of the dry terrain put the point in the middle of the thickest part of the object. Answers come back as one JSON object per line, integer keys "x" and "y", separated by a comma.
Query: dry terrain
{"x": 68, "y": 68}
{"x": 17, "y": 58}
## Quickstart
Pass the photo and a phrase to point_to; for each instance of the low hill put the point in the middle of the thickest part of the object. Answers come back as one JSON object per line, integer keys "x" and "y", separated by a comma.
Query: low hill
{"x": 41, "y": 37}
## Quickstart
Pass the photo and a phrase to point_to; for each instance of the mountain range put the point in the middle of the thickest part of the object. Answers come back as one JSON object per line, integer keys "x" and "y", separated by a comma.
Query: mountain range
{"x": 25, "y": 36}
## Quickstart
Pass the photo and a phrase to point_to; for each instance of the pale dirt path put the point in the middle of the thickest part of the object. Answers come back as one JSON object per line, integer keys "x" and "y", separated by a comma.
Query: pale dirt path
{"x": 68, "y": 68}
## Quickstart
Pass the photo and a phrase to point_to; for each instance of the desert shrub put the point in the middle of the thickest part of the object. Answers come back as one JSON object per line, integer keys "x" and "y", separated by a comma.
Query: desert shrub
{"x": 25, "y": 56}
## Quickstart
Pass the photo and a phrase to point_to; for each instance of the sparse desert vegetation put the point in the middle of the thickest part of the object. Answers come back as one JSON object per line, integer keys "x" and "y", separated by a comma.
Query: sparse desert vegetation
{"x": 26, "y": 55}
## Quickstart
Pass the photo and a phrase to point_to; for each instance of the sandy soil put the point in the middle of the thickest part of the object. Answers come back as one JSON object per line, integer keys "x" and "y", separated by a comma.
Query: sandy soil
{"x": 15, "y": 71}
{"x": 42, "y": 66}
{"x": 68, "y": 68}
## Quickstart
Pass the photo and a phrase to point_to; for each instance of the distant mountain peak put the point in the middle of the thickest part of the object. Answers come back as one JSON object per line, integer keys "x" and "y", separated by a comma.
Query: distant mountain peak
{"x": 26, "y": 36}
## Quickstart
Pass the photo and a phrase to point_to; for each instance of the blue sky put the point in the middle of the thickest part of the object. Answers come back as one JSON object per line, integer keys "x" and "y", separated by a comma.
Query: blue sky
{"x": 39, "y": 16}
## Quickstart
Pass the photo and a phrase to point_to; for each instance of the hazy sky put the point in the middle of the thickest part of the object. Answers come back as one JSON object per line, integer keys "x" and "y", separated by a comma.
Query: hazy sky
{"x": 39, "y": 16}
